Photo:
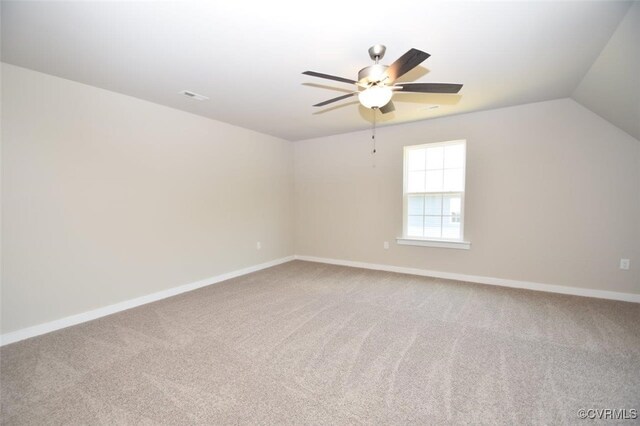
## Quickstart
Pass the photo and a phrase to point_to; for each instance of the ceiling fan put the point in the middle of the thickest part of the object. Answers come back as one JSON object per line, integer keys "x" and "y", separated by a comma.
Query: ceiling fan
{"x": 376, "y": 83}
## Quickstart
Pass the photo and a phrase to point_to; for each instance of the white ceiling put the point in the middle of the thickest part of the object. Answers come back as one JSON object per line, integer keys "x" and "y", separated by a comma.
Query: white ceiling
{"x": 248, "y": 56}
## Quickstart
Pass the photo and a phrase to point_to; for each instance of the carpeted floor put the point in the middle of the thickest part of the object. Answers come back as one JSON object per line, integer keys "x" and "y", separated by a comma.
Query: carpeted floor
{"x": 308, "y": 343}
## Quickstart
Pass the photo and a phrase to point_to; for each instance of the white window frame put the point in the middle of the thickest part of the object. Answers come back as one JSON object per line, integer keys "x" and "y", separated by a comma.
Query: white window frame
{"x": 458, "y": 243}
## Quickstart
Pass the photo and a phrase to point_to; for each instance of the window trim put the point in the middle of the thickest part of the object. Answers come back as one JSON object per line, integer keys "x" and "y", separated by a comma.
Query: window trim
{"x": 433, "y": 242}
{"x": 422, "y": 242}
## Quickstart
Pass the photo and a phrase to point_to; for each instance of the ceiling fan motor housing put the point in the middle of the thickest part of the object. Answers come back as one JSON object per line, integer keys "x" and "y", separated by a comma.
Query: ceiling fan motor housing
{"x": 372, "y": 74}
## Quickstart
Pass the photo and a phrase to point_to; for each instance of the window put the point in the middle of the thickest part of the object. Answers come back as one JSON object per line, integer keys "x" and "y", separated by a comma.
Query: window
{"x": 434, "y": 177}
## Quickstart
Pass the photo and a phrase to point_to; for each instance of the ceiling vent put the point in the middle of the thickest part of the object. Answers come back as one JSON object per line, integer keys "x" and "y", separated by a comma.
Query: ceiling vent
{"x": 194, "y": 95}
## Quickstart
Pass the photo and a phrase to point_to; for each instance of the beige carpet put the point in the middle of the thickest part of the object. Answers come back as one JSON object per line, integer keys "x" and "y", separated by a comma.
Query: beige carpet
{"x": 307, "y": 343}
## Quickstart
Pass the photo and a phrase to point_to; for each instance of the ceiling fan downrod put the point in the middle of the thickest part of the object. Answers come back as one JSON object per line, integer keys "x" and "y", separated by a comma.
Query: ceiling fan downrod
{"x": 376, "y": 73}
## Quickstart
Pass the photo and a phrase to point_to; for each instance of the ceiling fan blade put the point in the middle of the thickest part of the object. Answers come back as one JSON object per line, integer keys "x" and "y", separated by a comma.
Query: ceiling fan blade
{"x": 389, "y": 107}
{"x": 339, "y": 98}
{"x": 406, "y": 63}
{"x": 329, "y": 77}
{"x": 429, "y": 87}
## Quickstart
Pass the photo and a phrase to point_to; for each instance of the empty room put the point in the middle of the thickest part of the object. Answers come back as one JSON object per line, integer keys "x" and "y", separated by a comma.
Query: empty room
{"x": 334, "y": 213}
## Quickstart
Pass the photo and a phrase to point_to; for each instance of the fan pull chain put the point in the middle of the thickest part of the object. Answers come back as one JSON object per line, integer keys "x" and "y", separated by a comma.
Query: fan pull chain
{"x": 373, "y": 131}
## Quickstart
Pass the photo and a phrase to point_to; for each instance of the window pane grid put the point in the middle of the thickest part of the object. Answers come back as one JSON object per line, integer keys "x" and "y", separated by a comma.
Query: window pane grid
{"x": 434, "y": 215}
{"x": 434, "y": 190}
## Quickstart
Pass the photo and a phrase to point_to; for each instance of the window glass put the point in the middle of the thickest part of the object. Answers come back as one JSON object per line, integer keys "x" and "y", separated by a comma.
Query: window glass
{"x": 434, "y": 190}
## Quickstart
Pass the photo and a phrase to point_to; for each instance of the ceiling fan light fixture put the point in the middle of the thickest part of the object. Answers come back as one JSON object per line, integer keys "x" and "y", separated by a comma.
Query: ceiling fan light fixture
{"x": 375, "y": 96}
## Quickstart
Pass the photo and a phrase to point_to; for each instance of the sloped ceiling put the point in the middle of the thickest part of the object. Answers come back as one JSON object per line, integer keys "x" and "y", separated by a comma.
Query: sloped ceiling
{"x": 247, "y": 57}
{"x": 611, "y": 88}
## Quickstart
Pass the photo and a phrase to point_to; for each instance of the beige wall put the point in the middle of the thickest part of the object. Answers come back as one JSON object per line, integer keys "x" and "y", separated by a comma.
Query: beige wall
{"x": 553, "y": 196}
{"x": 106, "y": 198}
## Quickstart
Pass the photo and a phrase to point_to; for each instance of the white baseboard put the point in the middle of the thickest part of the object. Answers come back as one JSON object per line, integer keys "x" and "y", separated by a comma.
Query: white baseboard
{"x": 48, "y": 327}
{"x": 549, "y": 288}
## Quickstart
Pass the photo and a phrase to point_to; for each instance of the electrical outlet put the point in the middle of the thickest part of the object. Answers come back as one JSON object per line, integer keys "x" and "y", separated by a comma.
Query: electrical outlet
{"x": 258, "y": 245}
{"x": 624, "y": 264}
{"x": 386, "y": 245}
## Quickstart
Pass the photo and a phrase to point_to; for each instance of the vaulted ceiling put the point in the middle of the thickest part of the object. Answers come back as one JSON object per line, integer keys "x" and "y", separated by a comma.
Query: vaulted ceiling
{"x": 611, "y": 87}
{"x": 247, "y": 57}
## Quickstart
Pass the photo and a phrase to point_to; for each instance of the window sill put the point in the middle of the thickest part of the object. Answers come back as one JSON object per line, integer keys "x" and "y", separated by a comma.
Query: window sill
{"x": 463, "y": 245}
